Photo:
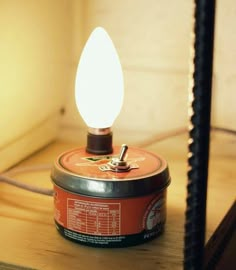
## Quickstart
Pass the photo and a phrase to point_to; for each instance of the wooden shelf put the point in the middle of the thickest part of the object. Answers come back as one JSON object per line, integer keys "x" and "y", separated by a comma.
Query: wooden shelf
{"x": 29, "y": 238}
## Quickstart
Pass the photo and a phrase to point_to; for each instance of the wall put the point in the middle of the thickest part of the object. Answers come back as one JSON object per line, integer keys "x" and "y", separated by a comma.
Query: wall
{"x": 35, "y": 53}
{"x": 153, "y": 41}
{"x": 154, "y": 58}
{"x": 224, "y": 94}
{"x": 40, "y": 45}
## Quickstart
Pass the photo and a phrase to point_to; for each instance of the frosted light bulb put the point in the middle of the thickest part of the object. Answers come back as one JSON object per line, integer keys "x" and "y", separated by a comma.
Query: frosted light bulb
{"x": 99, "y": 86}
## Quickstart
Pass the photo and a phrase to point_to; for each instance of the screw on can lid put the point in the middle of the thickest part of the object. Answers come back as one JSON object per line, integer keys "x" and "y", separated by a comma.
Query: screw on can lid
{"x": 78, "y": 172}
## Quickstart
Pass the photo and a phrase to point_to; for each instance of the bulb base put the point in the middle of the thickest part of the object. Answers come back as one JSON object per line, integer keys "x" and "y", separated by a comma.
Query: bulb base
{"x": 99, "y": 144}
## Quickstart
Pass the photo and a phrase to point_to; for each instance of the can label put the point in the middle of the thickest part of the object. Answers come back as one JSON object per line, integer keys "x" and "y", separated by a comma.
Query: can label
{"x": 108, "y": 222}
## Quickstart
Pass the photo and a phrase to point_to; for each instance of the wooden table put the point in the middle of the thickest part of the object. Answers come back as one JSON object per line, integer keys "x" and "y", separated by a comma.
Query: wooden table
{"x": 28, "y": 236}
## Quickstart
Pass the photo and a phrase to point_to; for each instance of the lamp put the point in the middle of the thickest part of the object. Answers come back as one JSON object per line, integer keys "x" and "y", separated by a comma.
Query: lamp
{"x": 107, "y": 196}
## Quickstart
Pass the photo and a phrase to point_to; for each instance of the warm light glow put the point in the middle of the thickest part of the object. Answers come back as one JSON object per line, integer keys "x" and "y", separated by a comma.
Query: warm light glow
{"x": 99, "y": 86}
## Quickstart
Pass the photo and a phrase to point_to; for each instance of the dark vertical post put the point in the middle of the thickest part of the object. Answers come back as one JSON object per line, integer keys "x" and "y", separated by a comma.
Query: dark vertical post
{"x": 199, "y": 131}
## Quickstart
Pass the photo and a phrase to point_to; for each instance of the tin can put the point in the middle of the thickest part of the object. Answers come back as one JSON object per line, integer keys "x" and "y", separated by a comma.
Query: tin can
{"x": 102, "y": 207}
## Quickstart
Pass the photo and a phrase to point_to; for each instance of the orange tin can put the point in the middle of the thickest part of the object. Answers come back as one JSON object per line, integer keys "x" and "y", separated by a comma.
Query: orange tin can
{"x": 97, "y": 205}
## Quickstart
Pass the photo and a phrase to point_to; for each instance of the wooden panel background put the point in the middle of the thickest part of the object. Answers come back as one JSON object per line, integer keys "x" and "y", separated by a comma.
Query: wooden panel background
{"x": 40, "y": 47}
{"x": 153, "y": 41}
{"x": 35, "y": 53}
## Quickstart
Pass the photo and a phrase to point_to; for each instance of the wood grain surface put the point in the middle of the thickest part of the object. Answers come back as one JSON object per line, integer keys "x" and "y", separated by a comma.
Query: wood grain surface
{"x": 28, "y": 236}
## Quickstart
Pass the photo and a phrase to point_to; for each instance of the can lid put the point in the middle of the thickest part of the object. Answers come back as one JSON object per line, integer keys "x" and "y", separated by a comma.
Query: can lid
{"x": 79, "y": 172}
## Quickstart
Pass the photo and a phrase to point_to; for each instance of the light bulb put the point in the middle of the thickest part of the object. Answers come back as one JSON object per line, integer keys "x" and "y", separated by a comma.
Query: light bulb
{"x": 99, "y": 86}
{"x": 99, "y": 90}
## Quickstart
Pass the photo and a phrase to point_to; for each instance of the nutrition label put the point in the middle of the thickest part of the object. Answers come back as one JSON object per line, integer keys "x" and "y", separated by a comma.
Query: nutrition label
{"x": 93, "y": 218}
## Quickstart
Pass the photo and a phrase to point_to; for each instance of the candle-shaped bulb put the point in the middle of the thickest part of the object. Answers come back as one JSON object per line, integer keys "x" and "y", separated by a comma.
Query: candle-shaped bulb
{"x": 99, "y": 90}
{"x": 99, "y": 81}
